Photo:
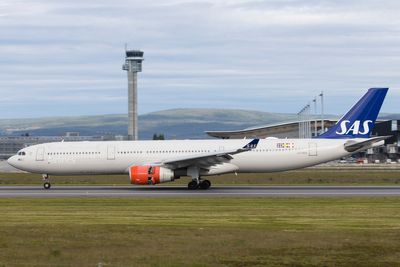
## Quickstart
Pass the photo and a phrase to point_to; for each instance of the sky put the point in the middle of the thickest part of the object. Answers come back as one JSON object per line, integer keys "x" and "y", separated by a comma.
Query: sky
{"x": 64, "y": 58}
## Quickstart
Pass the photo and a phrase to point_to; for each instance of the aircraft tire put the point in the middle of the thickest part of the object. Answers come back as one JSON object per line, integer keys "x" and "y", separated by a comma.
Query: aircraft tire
{"x": 205, "y": 184}
{"x": 46, "y": 185}
{"x": 193, "y": 185}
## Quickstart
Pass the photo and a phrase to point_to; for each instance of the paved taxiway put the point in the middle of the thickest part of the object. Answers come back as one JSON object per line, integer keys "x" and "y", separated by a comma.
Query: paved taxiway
{"x": 215, "y": 191}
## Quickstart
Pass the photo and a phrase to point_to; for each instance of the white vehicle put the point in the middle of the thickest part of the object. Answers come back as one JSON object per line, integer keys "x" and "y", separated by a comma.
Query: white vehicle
{"x": 153, "y": 162}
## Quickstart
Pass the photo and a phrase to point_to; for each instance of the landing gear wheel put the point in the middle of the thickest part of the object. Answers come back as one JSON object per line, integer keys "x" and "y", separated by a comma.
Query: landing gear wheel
{"x": 46, "y": 181}
{"x": 205, "y": 184}
{"x": 46, "y": 185}
{"x": 193, "y": 185}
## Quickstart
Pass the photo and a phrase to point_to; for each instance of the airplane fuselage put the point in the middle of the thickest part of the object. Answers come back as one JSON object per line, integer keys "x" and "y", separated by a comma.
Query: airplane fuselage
{"x": 116, "y": 157}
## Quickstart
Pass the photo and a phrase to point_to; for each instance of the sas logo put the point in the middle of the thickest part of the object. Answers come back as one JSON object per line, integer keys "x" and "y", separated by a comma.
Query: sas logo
{"x": 354, "y": 128}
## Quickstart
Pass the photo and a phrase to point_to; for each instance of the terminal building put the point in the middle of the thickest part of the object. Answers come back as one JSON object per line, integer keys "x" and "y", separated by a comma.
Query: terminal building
{"x": 279, "y": 130}
{"x": 388, "y": 153}
{"x": 10, "y": 145}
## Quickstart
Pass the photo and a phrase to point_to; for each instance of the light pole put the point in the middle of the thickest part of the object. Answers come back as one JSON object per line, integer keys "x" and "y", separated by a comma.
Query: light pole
{"x": 322, "y": 112}
{"x": 315, "y": 113}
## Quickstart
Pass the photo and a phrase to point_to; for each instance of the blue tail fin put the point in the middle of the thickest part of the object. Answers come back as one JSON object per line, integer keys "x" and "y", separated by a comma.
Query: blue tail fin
{"x": 359, "y": 121}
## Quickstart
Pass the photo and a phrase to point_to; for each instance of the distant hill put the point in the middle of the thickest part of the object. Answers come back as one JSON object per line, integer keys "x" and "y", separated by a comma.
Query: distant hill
{"x": 58, "y": 126}
{"x": 174, "y": 124}
{"x": 191, "y": 123}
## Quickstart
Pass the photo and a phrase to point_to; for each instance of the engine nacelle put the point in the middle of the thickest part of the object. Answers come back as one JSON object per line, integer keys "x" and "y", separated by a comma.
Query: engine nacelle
{"x": 150, "y": 175}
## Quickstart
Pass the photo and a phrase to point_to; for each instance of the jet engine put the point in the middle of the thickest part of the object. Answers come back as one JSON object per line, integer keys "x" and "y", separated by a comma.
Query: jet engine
{"x": 150, "y": 174}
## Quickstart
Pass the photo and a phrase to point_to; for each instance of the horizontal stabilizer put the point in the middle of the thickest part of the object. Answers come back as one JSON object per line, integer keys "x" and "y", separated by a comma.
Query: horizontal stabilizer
{"x": 352, "y": 145}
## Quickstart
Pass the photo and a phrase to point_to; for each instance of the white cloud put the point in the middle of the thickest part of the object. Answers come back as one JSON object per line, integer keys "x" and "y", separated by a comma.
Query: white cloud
{"x": 269, "y": 50}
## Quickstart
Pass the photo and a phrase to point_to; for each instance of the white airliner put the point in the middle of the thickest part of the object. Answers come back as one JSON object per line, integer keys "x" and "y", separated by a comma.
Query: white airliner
{"x": 153, "y": 162}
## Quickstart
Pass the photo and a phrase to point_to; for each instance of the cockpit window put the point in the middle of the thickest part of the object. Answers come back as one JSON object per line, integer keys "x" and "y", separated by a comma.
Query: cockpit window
{"x": 22, "y": 153}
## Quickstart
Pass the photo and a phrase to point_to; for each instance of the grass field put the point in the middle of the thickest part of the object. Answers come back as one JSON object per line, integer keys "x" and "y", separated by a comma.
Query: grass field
{"x": 200, "y": 232}
{"x": 306, "y": 176}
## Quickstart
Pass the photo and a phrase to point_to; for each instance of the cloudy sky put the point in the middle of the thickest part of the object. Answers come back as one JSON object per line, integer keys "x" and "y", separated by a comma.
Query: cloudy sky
{"x": 60, "y": 57}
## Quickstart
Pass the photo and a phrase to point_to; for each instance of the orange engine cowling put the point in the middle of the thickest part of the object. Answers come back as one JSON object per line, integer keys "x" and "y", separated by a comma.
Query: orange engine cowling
{"x": 150, "y": 175}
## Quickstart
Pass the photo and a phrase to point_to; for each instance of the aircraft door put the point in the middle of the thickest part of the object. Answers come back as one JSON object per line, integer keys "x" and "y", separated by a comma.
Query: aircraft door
{"x": 312, "y": 149}
{"x": 110, "y": 152}
{"x": 40, "y": 154}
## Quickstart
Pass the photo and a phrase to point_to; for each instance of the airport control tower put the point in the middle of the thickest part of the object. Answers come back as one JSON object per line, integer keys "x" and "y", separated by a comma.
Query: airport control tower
{"x": 133, "y": 65}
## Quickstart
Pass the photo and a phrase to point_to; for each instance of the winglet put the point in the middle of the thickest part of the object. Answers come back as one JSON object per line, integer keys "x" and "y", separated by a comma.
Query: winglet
{"x": 252, "y": 144}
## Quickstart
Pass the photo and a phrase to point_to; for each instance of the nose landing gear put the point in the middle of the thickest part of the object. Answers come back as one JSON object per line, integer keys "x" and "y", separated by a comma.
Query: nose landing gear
{"x": 46, "y": 181}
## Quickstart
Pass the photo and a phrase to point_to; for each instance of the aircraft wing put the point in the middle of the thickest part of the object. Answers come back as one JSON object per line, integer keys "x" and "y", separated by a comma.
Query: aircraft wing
{"x": 206, "y": 160}
{"x": 352, "y": 145}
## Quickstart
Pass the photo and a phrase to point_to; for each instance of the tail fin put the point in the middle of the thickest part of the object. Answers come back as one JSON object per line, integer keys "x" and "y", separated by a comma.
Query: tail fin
{"x": 359, "y": 121}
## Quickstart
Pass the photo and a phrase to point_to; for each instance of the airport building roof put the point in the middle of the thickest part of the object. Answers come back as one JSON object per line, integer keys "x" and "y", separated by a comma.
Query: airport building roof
{"x": 293, "y": 129}
{"x": 279, "y": 130}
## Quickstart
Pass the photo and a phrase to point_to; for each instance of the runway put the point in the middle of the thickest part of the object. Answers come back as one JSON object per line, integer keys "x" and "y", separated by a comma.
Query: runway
{"x": 182, "y": 191}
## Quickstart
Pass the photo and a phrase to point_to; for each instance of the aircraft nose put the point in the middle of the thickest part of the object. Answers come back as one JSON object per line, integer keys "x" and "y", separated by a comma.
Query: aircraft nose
{"x": 12, "y": 161}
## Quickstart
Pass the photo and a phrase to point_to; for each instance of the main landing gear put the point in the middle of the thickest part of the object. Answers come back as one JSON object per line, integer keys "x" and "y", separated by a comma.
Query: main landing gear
{"x": 202, "y": 184}
{"x": 205, "y": 184}
{"x": 196, "y": 182}
{"x": 46, "y": 181}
